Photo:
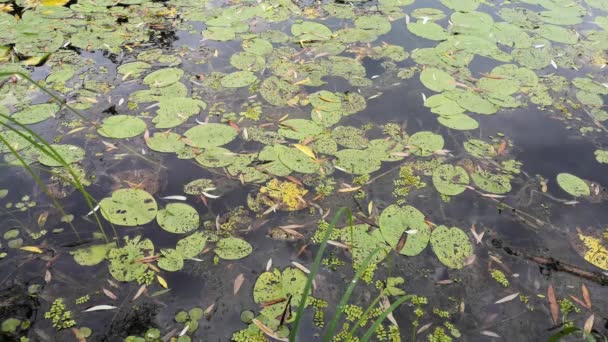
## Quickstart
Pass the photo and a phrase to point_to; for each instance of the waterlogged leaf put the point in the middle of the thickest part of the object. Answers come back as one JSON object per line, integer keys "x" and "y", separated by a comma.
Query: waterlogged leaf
{"x": 277, "y": 91}
{"x": 92, "y": 255}
{"x": 594, "y": 251}
{"x": 31, "y": 249}
{"x": 210, "y": 135}
{"x": 198, "y": 186}
{"x": 192, "y": 245}
{"x": 573, "y": 185}
{"x": 358, "y": 162}
{"x": 493, "y": 183}
{"x": 395, "y": 222}
{"x": 129, "y": 207}
{"x": 437, "y": 80}
{"x": 15, "y": 141}
{"x": 36, "y": 113}
{"x": 216, "y": 157}
{"x": 479, "y": 148}
{"x": 122, "y": 126}
{"x": 450, "y": 180}
{"x": 123, "y": 261}
{"x": 461, "y": 122}
{"x": 425, "y": 143}
{"x": 173, "y": 112}
{"x": 310, "y": 31}
{"x": 232, "y": 248}
{"x": 428, "y": 30}
{"x": 70, "y": 154}
{"x": 168, "y": 142}
{"x": 238, "y": 79}
{"x": 171, "y": 260}
{"x": 451, "y": 245}
{"x": 600, "y": 155}
{"x": 276, "y": 287}
{"x": 178, "y": 218}
{"x": 133, "y": 69}
{"x": 163, "y": 77}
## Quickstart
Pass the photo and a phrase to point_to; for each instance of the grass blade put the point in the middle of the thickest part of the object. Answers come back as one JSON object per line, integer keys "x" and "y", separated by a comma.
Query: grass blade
{"x": 381, "y": 318}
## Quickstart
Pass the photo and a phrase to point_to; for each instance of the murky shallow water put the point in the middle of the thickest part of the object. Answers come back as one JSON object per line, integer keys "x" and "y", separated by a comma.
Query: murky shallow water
{"x": 536, "y": 217}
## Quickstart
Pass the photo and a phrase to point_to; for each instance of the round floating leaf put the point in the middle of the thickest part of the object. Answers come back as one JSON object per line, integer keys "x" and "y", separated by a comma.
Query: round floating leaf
{"x": 178, "y": 218}
{"x": 175, "y": 111}
{"x": 133, "y": 69}
{"x": 573, "y": 185}
{"x": 600, "y": 155}
{"x": 122, "y": 126}
{"x": 36, "y": 113}
{"x": 192, "y": 245}
{"x": 358, "y": 162}
{"x": 171, "y": 260}
{"x": 310, "y": 31}
{"x": 471, "y": 101}
{"x": 210, "y": 135}
{"x": 496, "y": 184}
{"x": 163, "y": 77}
{"x": 398, "y": 224}
{"x": 198, "y": 186}
{"x": 166, "y": 142}
{"x": 238, "y": 79}
{"x": 428, "y": 30}
{"x": 425, "y": 143}
{"x": 479, "y": 148}
{"x": 558, "y": 34}
{"x": 16, "y": 141}
{"x": 232, "y": 248}
{"x": 297, "y": 161}
{"x": 247, "y": 61}
{"x": 216, "y": 157}
{"x": 272, "y": 286}
{"x": 461, "y": 122}
{"x": 123, "y": 265}
{"x": 451, "y": 245}
{"x": 437, "y": 80}
{"x": 70, "y": 154}
{"x": 92, "y": 255}
{"x": 277, "y": 91}
{"x": 257, "y": 46}
{"x": 350, "y": 137}
{"x": 299, "y": 129}
{"x": 450, "y": 180}
{"x": 461, "y": 5}
{"x": 129, "y": 207}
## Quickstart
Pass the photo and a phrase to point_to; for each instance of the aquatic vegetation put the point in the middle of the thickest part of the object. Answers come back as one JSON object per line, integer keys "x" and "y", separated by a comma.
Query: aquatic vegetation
{"x": 59, "y": 316}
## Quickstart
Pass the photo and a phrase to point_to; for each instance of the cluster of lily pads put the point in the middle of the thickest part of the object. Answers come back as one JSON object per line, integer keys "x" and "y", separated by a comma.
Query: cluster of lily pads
{"x": 251, "y": 104}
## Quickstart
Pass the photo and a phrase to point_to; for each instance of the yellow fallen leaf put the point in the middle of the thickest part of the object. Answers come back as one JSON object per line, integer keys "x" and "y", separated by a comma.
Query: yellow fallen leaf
{"x": 596, "y": 253}
{"x": 32, "y": 249}
{"x": 306, "y": 150}
{"x": 162, "y": 281}
{"x": 54, "y": 2}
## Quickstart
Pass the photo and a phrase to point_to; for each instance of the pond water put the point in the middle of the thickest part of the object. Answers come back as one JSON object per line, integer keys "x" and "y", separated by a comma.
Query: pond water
{"x": 171, "y": 168}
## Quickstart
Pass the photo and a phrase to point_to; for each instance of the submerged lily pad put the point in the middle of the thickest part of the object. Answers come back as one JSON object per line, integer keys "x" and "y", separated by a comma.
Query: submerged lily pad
{"x": 232, "y": 248}
{"x": 450, "y": 180}
{"x": 129, "y": 207}
{"x": 178, "y": 218}
{"x": 70, "y": 154}
{"x": 398, "y": 224}
{"x": 493, "y": 183}
{"x": 92, "y": 255}
{"x": 573, "y": 185}
{"x": 210, "y": 135}
{"x": 451, "y": 245}
{"x": 122, "y": 126}
{"x": 216, "y": 157}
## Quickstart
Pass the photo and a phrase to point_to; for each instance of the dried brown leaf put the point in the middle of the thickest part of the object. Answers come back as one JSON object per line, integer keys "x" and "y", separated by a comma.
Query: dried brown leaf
{"x": 586, "y": 296}
{"x": 238, "y": 282}
{"x": 141, "y": 290}
{"x": 553, "y": 304}
{"x": 109, "y": 294}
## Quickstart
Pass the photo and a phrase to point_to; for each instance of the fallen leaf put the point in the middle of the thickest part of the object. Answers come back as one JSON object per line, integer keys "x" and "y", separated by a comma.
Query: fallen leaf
{"x": 502, "y": 147}
{"x": 42, "y": 218}
{"x": 162, "y": 281}
{"x": 109, "y": 294}
{"x": 351, "y": 189}
{"x": 139, "y": 292}
{"x": 268, "y": 264}
{"x": 175, "y": 197}
{"x": 32, "y": 249}
{"x": 490, "y": 333}
{"x": 266, "y": 330}
{"x": 47, "y": 276}
{"x": 478, "y": 237}
{"x": 444, "y": 282}
{"x": 385, "y": 306}
{"x": 553, "y": 304}
{"x": 209, "y": 309}
{"x": 238, "y": 282}
{"x": 424, "y": 328}
{"x": 301, "y": 267}
{"x": 580, "y": 302}
{"x": 507, "y": 298}
{"x": 102, "y": 307}
{"x": 306, "y": 150}
{"x": 185, "y": 330}
{"x": 586, "y": 296}
{"x": 588, "y": 325}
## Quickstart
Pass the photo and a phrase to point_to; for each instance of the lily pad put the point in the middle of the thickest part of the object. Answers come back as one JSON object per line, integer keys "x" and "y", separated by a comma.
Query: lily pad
{"x": 275, "y": 285}
{"x": 198, "y": 186}
{"x": 173, "y": 112}
{"x": 36, "y": 113}
{"x": 493, "y": 183}
{"x": 70, "y": 154}
{"x": 92, "y": 255}
{"x": 171, "y": 260}
{"x": 573, "y": 185}
{"x": 404, "y": 224}
{"x": 428, "y": 30}
{"x": 299, "y": 129}
{"x": 192, "y": 245}
{"x": 122, "y": 126}
{"x": 210, "y": 135}
{"x": 451, "y": 245}
{"x": 216, "y": 157}
{"x": 163, "y": 77}
{"x": 358, "y": 162}
{"x": 310, "y": 31}
{"x": 129, "y": 207}
{"x": 461, "y": 122}
{"x": 450, "y": 180}
{"x": 168, "y": 142}
{"x": 122, "y": 260}
{"x": 16, "y": 141}
{"x": 298, "y": 161}
{"x": 232, "y": 248}
{"x": 238, "y": 79}
{"x": 437, "y": 80}
{"x": 425, "y": 143}
{"x": 178, "y": 218}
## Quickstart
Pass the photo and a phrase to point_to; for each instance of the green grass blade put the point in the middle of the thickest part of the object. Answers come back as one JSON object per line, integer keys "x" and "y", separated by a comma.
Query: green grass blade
{"x": 346, "y": 296}
{"x": 381, "y": 318}
{"x": 313, "y": 272}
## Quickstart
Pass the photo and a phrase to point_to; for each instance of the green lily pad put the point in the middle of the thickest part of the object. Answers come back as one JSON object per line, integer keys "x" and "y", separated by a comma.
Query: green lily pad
{"x": 461, "y": 5}
{"x": 163, "y": 77}
{"x": 173, "y": 112}
{"x": 171, "y": 260}
{"x": 358, "y": 162}
{"x": 451, "y": 245}
{"x": 157, "y": 94}
{"x": 122, "y": 126}
{"x": 479, "y": 148}
{"x": 122, "y": 260}
{"x": 398, "y": 223}
{"x": 210, "y": 135}
{"x": 166, "y": 142}
{"x": 129, "y": 207}
{"x": 133, "y": 69}
{"x": 428, "y": 30}
{"x": 247, "y": 61}
{"x": 450, "y": 180}
{"x": 271, "y": 286}
{"x": 232, "y": 248}
{"x": 257, "y": 46}
{"x": 299, "y": 129}
{"x": 310, "y": 31}
{"x": 492, "y": 183}
{"x": 600, "y": 155}
{"x": 437, "y": 80}
{"x": 238, "y": 79}
{"x": 36, "y": 113}
{"x": 16, "y": 141}
{"x": 198, "y": 186}
{"x": 425, "y": 143}
{"x": 277, "y": 91}
{"x": 216, "y": 157}
{"x": 297, "y": 161}
{"x": 573, "y": 185}
{"x": 70, "y": 154}
{"x": 350, "y": 137}
{"x": 191, "y": 245}
{"x": 178, "y": 218}
{"x": 92, "y": 255}
{"x": 461, "y": 122}
{"x": 471, "y": 101}
{"x": 10, "y": 325}
{"x": 558, "y": 34}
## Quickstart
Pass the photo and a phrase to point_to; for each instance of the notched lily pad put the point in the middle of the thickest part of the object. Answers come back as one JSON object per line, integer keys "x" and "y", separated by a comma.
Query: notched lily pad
{"x": 573, "y": 185}
{"x": 178, "y": 218}
{"x": 450, "y": 180}
{"x": 232, "y": 248}
{"x": 122, "y": 126}
{"x": 404, "y": 229}
{"x": 451, "y": 245}
{"x": 129, "y": 207}
{"x": 210, "y": 135}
